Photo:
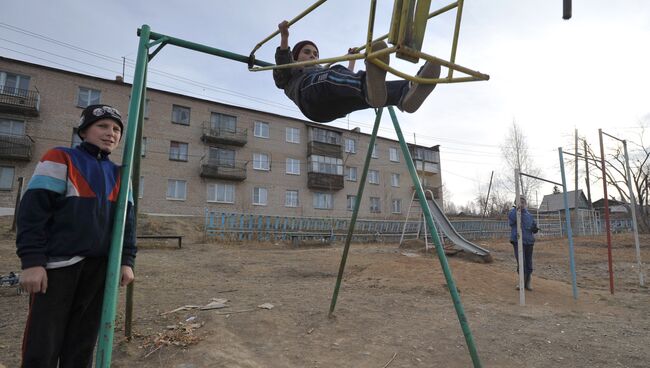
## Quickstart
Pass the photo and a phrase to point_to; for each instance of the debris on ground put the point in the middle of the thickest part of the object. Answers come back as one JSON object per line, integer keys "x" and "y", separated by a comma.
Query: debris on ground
{"x": 180, "y": 334}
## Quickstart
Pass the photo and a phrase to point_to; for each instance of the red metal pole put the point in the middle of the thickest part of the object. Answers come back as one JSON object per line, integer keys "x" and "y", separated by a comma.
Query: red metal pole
{"x": 609, "y": 232}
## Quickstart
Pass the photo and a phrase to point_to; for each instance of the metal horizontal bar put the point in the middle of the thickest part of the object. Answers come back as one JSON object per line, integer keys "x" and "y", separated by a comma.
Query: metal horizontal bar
{"x": 538, "y": 178}
{"x": 204, "y": 49}
{"x": 611, "y": 136}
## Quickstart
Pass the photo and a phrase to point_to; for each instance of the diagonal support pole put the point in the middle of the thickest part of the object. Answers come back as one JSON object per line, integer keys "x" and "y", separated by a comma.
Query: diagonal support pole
{"x": 451, "y": 285}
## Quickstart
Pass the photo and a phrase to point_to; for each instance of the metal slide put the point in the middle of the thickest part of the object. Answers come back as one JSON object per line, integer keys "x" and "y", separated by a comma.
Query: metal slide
{"x": 445, "y": 225}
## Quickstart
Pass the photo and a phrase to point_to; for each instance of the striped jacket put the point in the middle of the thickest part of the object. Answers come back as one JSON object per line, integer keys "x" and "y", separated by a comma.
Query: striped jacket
{"x": 69, "y": 206}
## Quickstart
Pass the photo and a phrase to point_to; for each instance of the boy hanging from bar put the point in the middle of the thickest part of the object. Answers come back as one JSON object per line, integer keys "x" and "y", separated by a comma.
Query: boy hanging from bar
{"x": 325, "y": 94}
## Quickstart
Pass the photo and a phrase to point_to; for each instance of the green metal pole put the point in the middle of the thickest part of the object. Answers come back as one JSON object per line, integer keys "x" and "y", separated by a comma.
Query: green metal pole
{"x": 202, "y": 48}
{"x": 128, "y": 309}
{"x": 451, "y": 285}
{"x": 107, "y": 326}
{"x": 355, "y": 212}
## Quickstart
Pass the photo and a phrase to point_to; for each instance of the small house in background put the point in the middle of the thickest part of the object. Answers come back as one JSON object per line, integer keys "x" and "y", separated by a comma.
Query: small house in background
{"x": 555, "y": 202}
{"x": 617, "y": 209}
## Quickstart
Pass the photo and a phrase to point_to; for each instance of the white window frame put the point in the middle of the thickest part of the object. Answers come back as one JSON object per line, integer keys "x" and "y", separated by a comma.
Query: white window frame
{"x": 227, "y": 193}
{"x": 12, "y": 124}
{"x": 292, "y": 135}
{"x": 349, "y": 202}
{"x": 293, "y": 166}
{"x": 349, "y": 170}
{"x": 16, "y": 89}
{"x": 375, "y": 151}
{"x": 180, "y": 156}
{"x": 372, "y": 204}
{"x": 328, "y": 198}
{"x": 179, "y": 119}
{"x": 394, "y": 180}
{"x": 396, "y": 206}
{"x": 175, "y": 196}
{"x": 393, "y": 154}
{"x": 291, "y": 198}
{"x": 260, "y": 196}
{"x": 373, "y": 177}
{"x": 143, "y": 147}
{"x": 258, "y": 130}
{"x": 350, "y": 145}
{"x": 141, "y": 187}
{"x": 89, "y": 96}
{"x": 259, "y": 161}
{"x": 325, "y": 165}
{"x": 5, "y": 171}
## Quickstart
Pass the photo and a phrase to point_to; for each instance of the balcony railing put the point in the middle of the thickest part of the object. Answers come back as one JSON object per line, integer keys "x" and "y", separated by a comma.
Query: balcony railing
{"x": 320, "y": 181}
{"x": 22, "y": 101}
{"x": 236, "y": 137}
{"x": 220, "y": 170}
{"x": 324, "y": 149}
{"x": 14, "y": 147}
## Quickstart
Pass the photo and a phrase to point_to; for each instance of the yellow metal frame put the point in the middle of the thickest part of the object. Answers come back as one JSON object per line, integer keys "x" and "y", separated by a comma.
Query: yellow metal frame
{"x": 399, "y": 30}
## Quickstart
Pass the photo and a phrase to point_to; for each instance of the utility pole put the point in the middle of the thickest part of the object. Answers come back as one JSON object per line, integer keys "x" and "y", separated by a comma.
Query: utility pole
{"x": 584, "y": 141}
{"x": 575, "y": 203}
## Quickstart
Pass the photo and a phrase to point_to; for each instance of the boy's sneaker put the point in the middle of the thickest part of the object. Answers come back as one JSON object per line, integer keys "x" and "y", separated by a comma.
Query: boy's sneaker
{"x": 417, "y": 93}
{"x": 376, "y": 93}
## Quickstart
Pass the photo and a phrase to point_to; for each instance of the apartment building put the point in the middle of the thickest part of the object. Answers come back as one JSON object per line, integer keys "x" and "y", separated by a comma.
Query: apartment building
{"x": 199, "y": 154}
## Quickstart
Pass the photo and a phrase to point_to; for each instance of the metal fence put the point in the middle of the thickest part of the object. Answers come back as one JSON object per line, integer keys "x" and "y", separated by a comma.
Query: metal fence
{"x": 247, "y": 227}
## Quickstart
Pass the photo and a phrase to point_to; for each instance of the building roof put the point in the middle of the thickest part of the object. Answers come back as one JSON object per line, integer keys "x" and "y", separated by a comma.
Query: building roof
{"x": 555, "y": 202}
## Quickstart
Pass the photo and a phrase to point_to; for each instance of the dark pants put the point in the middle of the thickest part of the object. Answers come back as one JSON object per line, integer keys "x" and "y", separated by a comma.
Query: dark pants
{"x": 528, "y": 257}
{"x": 63, "y": 323}
{"x": 335, "y": 92}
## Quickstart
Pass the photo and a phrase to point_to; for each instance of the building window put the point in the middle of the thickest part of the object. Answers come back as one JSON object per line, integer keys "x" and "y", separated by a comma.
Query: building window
{"x": 147, "y": 106}
{"x": 375, "y": 151}
{"x": 293, "y": 166}
{"x": 141, "y": 187}
{"x": 14, "y": 84}
{"x": 351, "y": 200}
{"x": 178, "y": 151}
{"x": 76, "y": 140}
{"x": 180, "y": 115}
{"x": 143, "y": 147}
{"x": 393, "y": 154}
{"x": 397, "y": 206}
{"x": 176, "y": 189}
{"x": 325, "y": 136}
{"x": 261, "y": 129}
{"x": 221, "y": 157}
{"x": 7, "y": 177}
{"x": 350, "y": 145}
{"x": 12, "y": 127}
{"x": 373, "y": 176}
{"x": 326, "y": 165}
{"x": 291, "y": 198}
{"x": 261, "y": 161}
{"x": 223, "y": 122}
{"x": 221, "y": 193}
{"x": 323, "y": 201}
{"x": 375, "y": 205}
{"x": 350, "y": 173}
{"x": 88, "y": 96}
{"x": 394, "y": 180}
{"x": 293, "y": 135}
{"x": 260, "y": 196}
{"x": 425, "y": 154}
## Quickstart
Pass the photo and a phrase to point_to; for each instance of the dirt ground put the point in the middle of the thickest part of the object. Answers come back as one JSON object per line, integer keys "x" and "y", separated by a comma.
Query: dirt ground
{"x": 393, "y": 309}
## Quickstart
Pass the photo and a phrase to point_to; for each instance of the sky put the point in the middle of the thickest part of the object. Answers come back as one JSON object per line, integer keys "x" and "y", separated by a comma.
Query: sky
{"x": 551, "y": 76}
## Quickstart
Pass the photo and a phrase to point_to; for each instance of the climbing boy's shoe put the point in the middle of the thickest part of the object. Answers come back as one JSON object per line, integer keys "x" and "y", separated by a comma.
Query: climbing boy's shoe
{"x": 417, "y": 93}
{"x": 376, "y": 93}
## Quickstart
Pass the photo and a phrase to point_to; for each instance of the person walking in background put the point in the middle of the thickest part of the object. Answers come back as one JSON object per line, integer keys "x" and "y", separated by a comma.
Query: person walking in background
{"x": 528, "y": 229}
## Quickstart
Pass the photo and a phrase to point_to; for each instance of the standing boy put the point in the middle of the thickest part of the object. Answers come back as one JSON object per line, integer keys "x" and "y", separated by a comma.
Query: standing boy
{"x": 65, "y": 221}
{"x": 528, "y": 228}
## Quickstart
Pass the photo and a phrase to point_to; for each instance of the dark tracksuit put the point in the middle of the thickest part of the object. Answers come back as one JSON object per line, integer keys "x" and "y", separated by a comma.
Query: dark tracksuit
{"x": 326, "y": 94}
{"x": 528, "y": 239}
{"x": 66, "y": 215}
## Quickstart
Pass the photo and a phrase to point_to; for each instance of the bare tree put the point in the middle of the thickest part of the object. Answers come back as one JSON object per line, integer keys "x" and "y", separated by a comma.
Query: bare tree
{"x": 515, "y": 153}
{"x": 615, "y": 174}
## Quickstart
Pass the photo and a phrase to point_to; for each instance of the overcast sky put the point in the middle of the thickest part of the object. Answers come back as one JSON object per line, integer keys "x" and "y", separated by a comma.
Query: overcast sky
{"x": 550, "y": 75}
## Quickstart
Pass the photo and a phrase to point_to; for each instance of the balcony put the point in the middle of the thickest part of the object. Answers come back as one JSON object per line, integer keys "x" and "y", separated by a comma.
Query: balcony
{"x": 427, "y": 167}
{"x": 220, "y": 170}
{"x": 19, "y": 101}
{"x": 14, "y": 147}
{"x": 233, "y": 137}
{"x": 322, "y": 181}
{"x": 324, "y": 149}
